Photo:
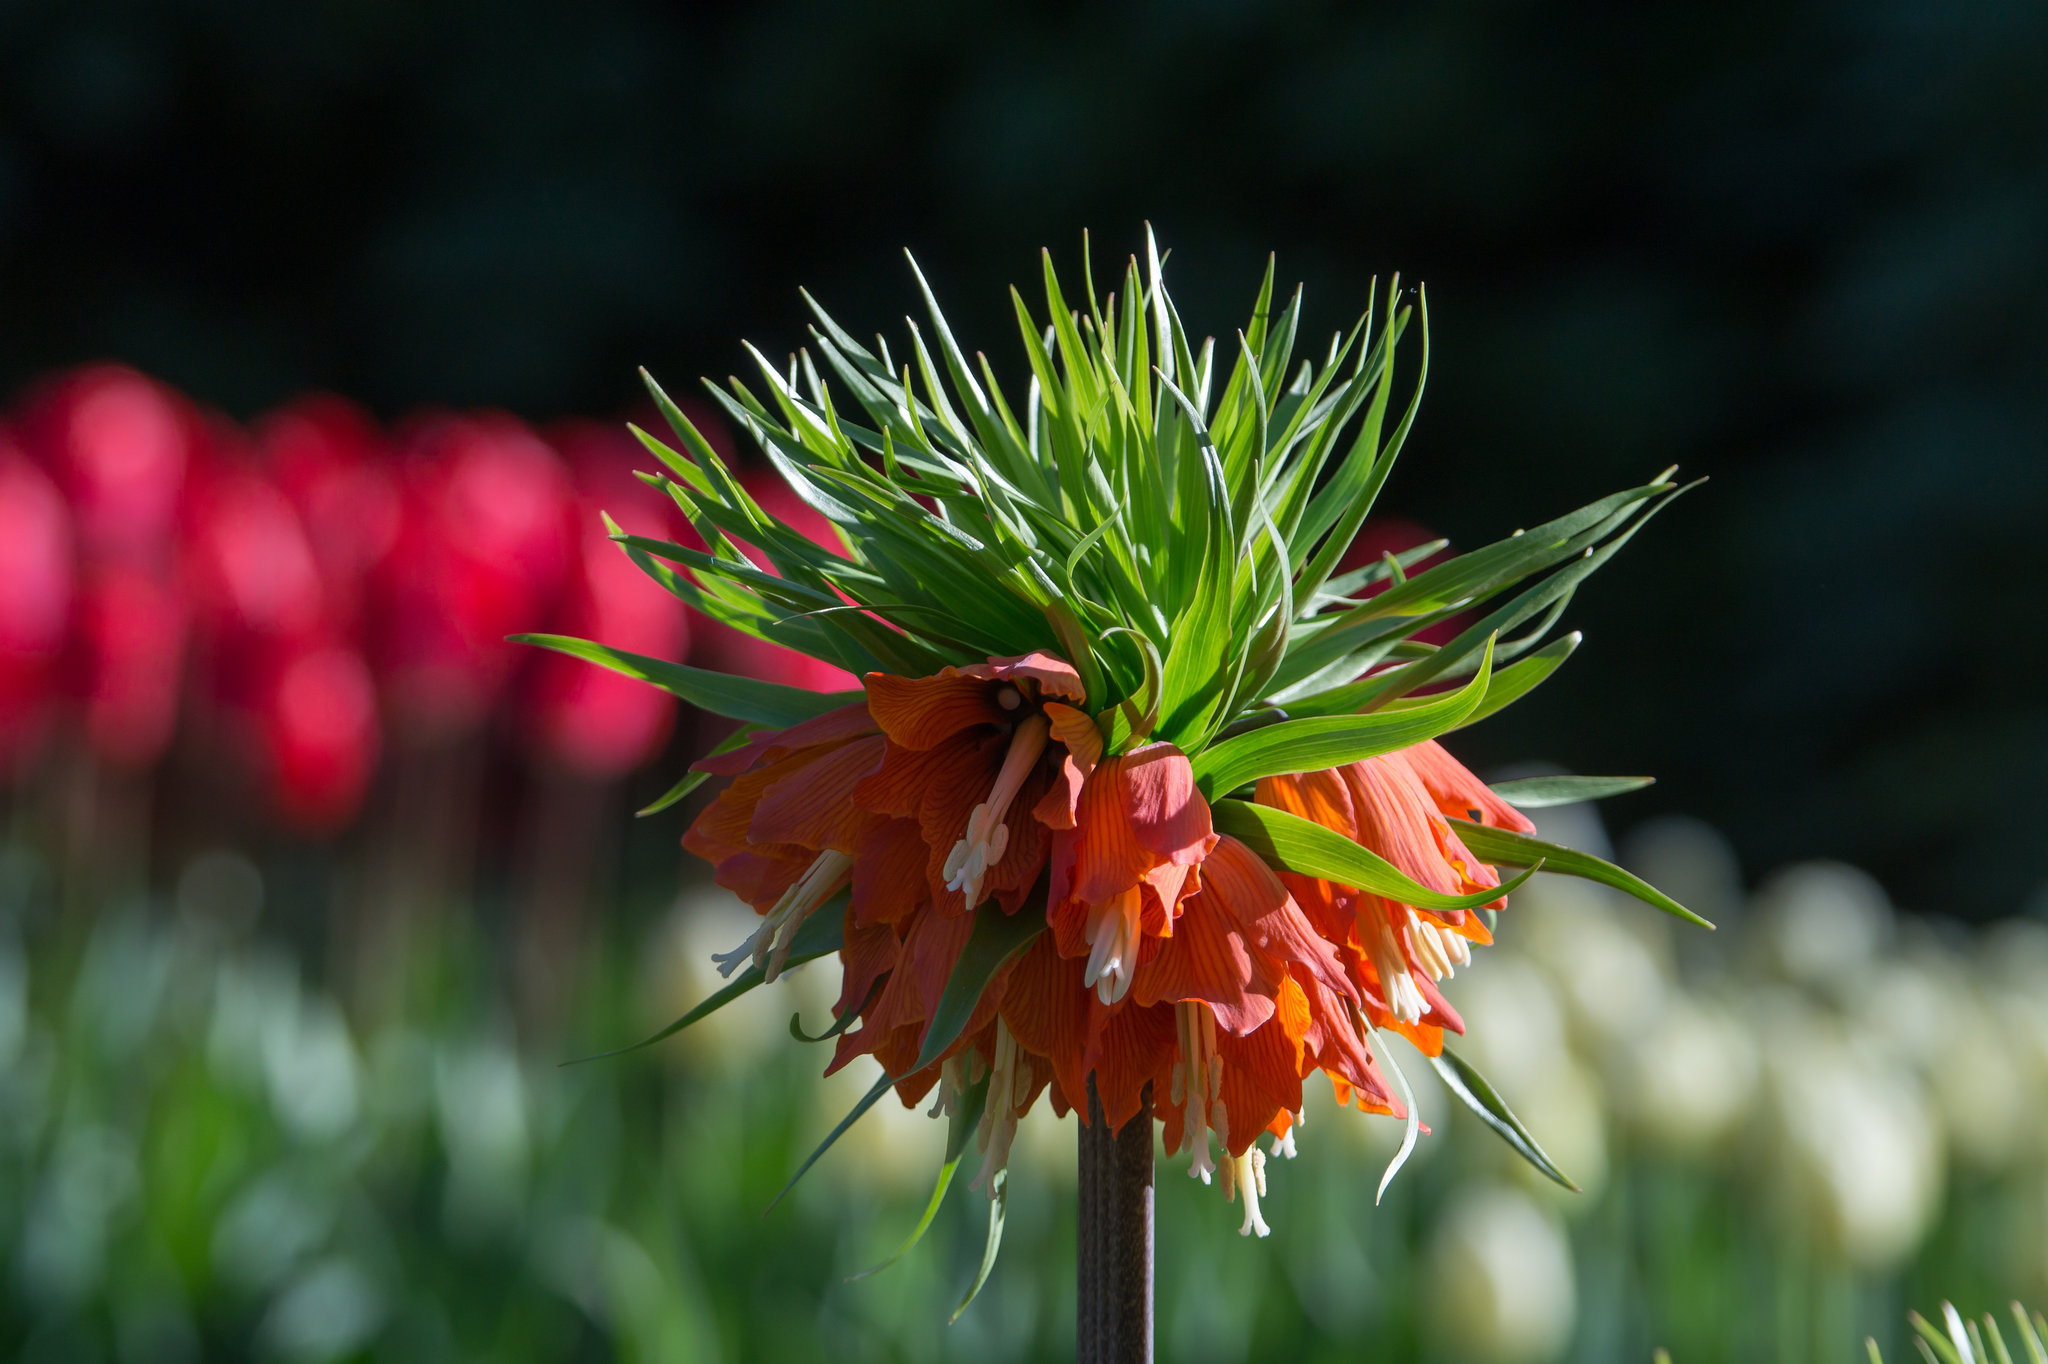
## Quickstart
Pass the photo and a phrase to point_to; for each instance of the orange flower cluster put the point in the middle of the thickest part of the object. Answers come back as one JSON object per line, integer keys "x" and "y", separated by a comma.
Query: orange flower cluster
{"x": 1173, "y": 956}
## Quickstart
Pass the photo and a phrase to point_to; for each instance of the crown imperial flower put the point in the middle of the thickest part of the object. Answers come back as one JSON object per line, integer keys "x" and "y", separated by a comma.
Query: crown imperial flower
{"x": 1139, "y": 805}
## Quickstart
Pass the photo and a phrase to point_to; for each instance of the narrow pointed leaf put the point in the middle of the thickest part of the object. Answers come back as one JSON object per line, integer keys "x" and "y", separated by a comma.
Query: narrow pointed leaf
{"x": 1291, "y": 843}
{"x": 1334, "y": 740}
{"x": 1465, "y": 1081}
{"x": 693, "y": 779}
{"x": 1507, "y": 848}
{"x": 998, "y": 1203}
{"x": 966, "y": 1117}
{"x": 1410, "y": 1125}
{"x": 997, "y": 937}
{"x": 738, "y": 698}
{"x": 818, "y": 936}
{"x": 867, "y": 1101}
{"x": 1537, "y": 793}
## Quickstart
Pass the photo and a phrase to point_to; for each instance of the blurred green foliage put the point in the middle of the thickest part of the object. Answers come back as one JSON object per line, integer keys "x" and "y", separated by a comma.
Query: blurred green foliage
{"x": 207, "y": 1154}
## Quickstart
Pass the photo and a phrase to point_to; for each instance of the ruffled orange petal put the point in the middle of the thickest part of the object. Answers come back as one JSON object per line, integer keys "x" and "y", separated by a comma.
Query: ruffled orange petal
{"x": 919, "y": 712}
{"x": 1053, "y": 674}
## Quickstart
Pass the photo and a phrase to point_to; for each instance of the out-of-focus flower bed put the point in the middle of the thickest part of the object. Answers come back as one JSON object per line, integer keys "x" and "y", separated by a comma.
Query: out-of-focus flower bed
{"x": 307, "y": 885}
{"x": 202, "y": 1156}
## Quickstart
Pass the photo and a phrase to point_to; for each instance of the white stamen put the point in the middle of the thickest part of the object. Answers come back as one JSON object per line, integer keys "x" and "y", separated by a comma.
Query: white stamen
{"x": 1283, "y": 1145}
{"x": 1246, "y": 1174}
{"x": 771, "y": 942}
{"x": 1198, "y": 1086}
{"x": 1009, "y": 1091}
{"x": 1404, "y": 997}
{"x": 987, "y": 835}
{"x": 1112, "y": 934}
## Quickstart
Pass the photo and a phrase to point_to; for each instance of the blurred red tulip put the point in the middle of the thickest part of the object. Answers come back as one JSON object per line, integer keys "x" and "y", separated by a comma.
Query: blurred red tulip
{"x": 597, "y": 722}
{"x": 119, "y": 445}
{"x": 483, "y": 549}
{"x": 337, "y": 469}
{"x": 319, "y": 733}
{"x": 253, "y": 574}
{"x": 35, "y": 602}
{"x": 130, "y": 644}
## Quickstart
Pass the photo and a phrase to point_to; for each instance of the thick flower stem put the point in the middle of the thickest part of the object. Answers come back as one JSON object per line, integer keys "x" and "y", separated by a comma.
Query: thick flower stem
{"x": 1113, "y": 1318}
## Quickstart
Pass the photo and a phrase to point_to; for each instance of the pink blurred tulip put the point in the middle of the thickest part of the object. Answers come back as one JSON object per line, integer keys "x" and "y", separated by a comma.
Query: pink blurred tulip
{"x": 338, "y": 471}
{"x": 130, "y": 644}
{"x": 119, "y": 445}
{"x": 484, "y": 547}
{"x": 319, "y": 733}
{"x": 35, "y": 603}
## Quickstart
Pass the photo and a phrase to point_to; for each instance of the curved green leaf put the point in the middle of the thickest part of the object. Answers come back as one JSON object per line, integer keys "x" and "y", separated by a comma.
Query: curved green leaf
{"x": 1538, "y": 793}
{"x": 997, "y": 937}
{"x": 1517, "y": 680}
{"x": 1334, "y": 740}
{"x": 1411, "y": 1123}
{"x": 740, "y": 698}
{"x": 1520, "y": 850}
{"x": 1468, "y": 1084}
{"x": 693, "y": 779}
{"x": 966, "y": 1117}
{"x": 867, "y": 1101}
{"x": 998, "y": 1203}
{"x": 817, "y": 936}
{"x": 1302, "y": 846}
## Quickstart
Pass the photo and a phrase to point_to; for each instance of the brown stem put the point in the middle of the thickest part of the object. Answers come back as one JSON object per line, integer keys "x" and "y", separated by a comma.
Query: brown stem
{"x": 1113, "y": 1317}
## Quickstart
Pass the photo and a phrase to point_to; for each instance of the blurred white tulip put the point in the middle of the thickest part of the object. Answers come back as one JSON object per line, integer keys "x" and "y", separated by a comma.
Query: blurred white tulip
{"x": 1820, "y": 923}
{"x": 1685, "y": 1082}
{"x": 1500, "y": 1280}
{"x": 1858, "y": 1147}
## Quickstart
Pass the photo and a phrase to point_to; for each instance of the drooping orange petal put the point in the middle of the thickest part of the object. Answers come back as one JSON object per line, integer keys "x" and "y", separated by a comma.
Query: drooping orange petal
{"x": 1458, "y": 793}
{"x": 897, "y": 787}
{"x": 1129, "y": 1047}
{"x": 1045, "y": 1006}
{"x": 1397, "y": 820}
{"x": 1208, "y": 960}
{"x": 1108, "y": 858}
{"x": 1320, "y": 795}
{"x": 1166, "y": 812}
{"x": 918, "y": 712}
{"x": 1260, "y": 1080}
{"x": 1334, "y": 1045}
{"x": 1252, "y": 895}
{"x": 889, "y": 872}
{"x": 813, "y": 805}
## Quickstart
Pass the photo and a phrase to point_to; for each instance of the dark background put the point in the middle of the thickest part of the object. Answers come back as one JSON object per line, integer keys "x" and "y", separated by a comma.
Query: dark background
{"x": 1794, "y": 246}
